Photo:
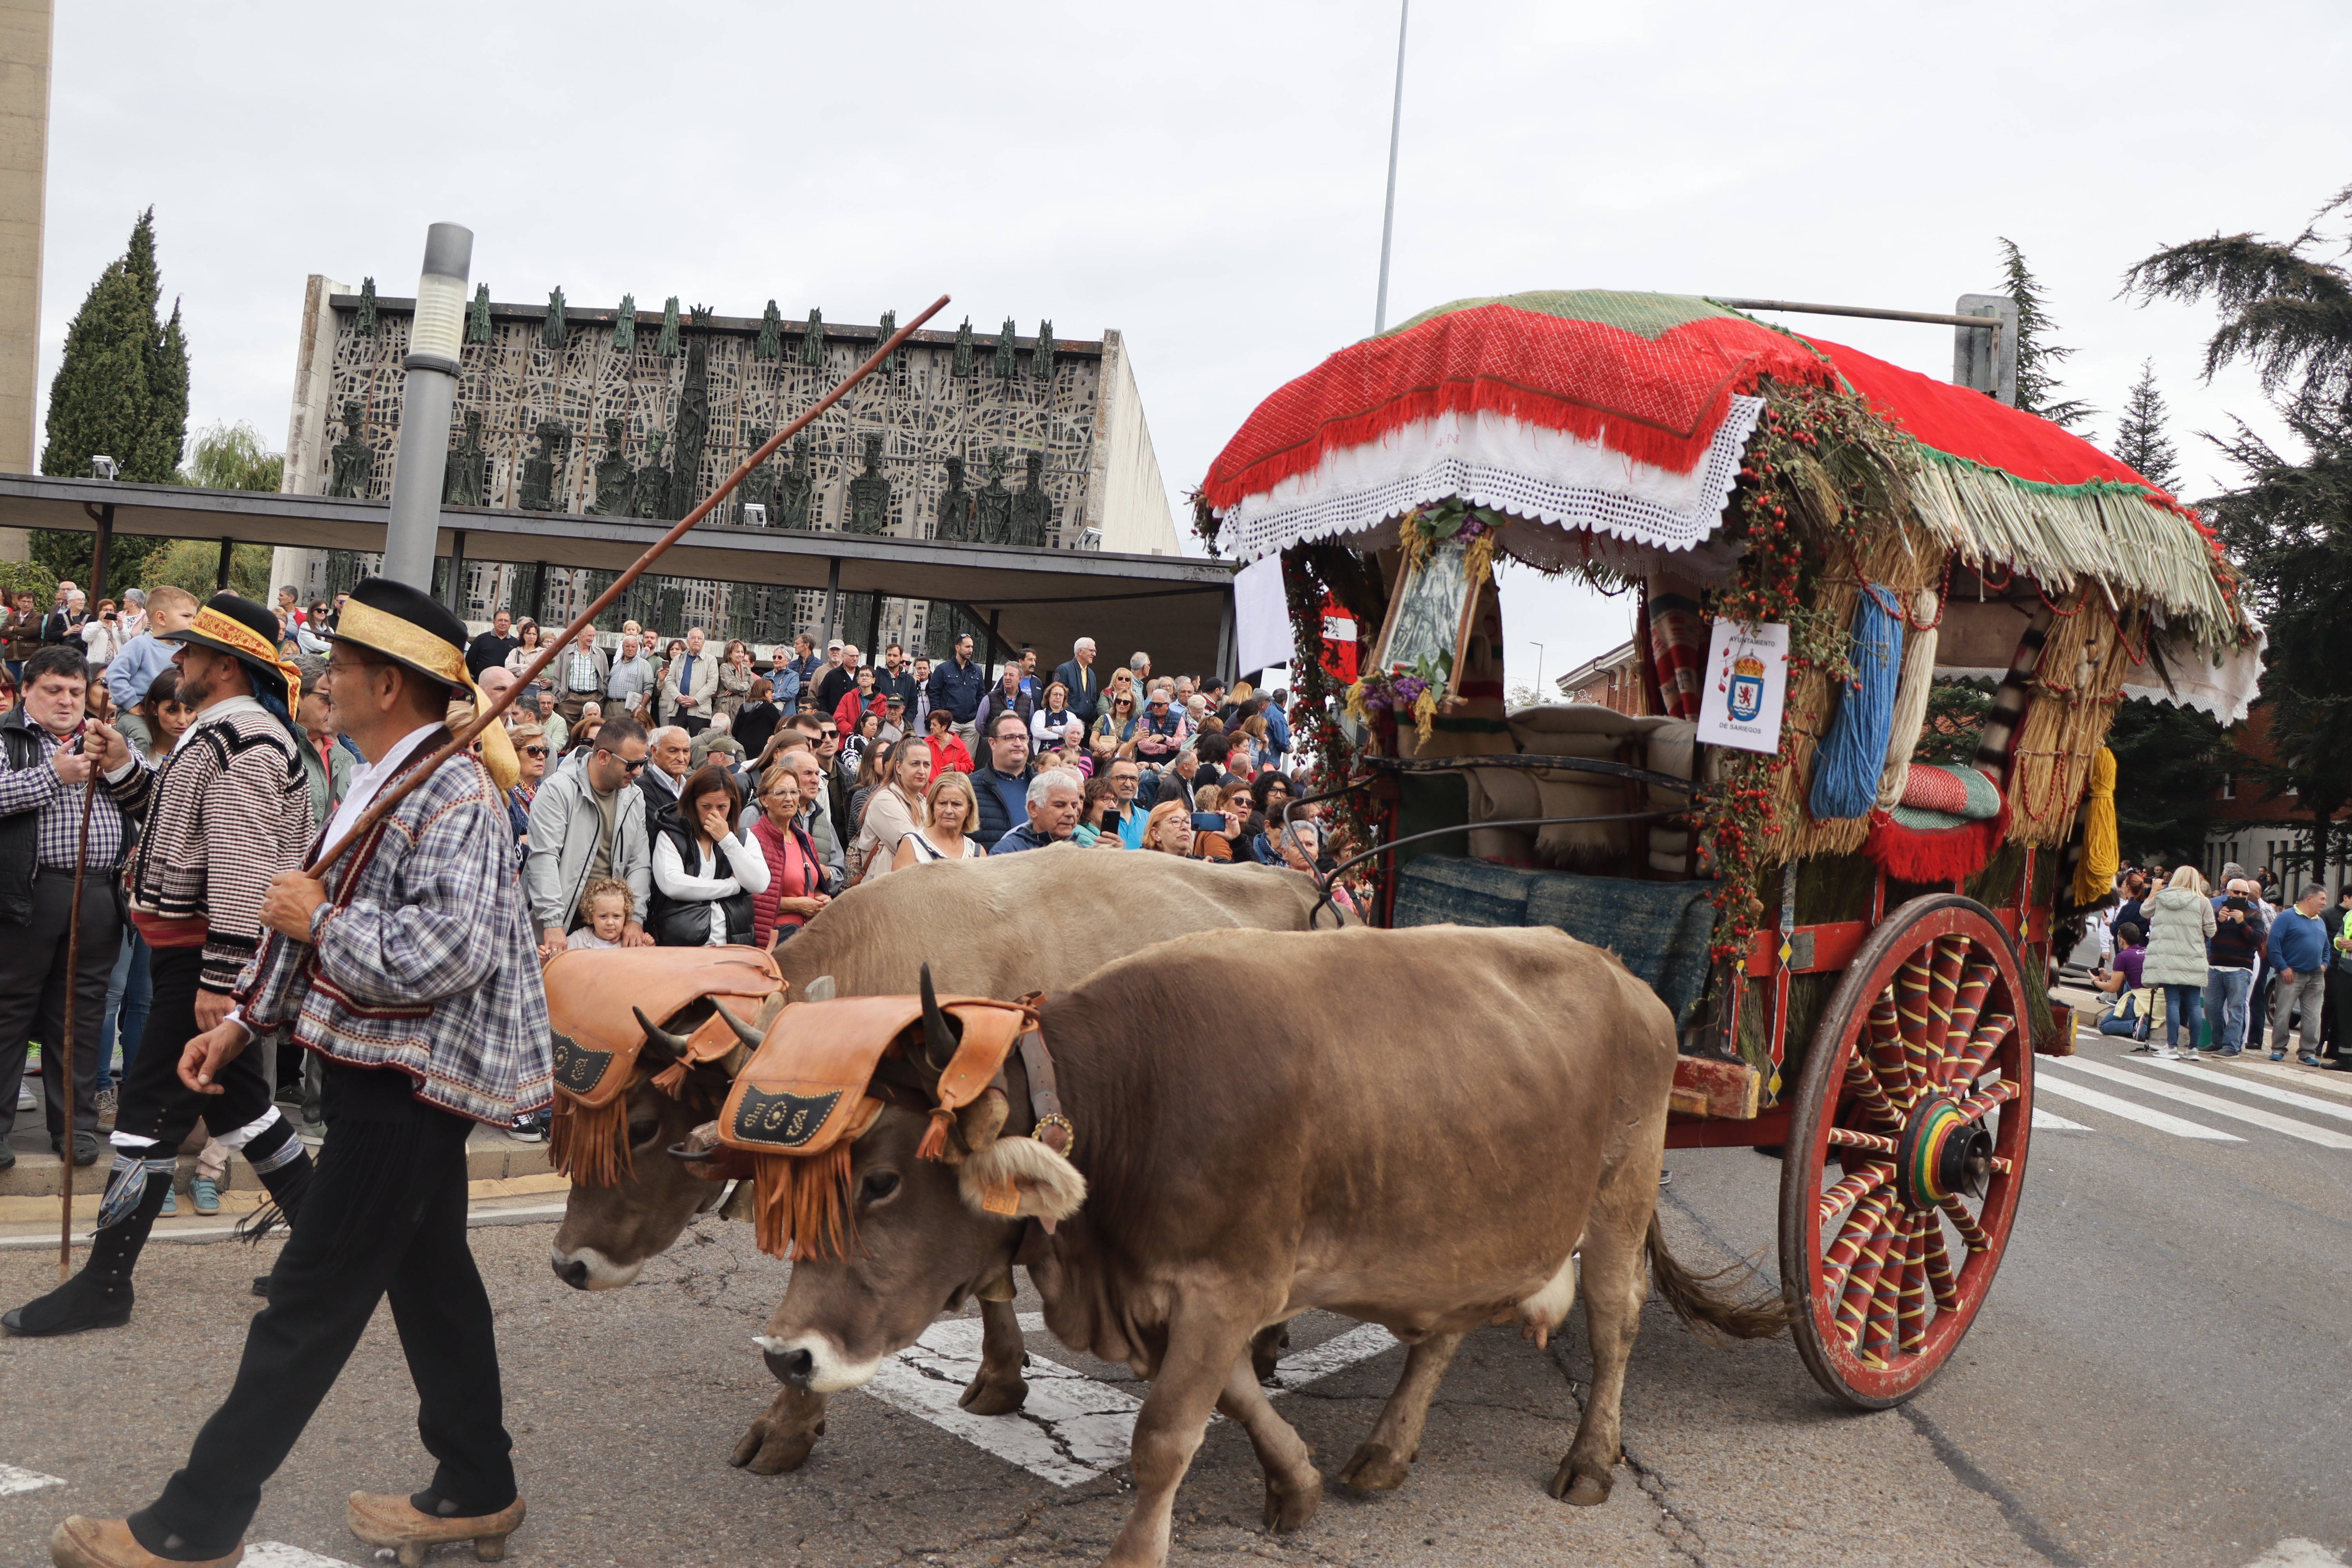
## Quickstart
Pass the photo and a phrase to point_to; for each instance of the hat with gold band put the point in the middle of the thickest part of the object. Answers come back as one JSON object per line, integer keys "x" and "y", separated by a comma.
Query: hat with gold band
{"x": 247, "y": 633}
{"x": 401, "y": 624}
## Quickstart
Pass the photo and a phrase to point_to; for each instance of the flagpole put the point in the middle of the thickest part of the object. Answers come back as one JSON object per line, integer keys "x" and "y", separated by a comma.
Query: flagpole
{"x": 1388, "y": 218}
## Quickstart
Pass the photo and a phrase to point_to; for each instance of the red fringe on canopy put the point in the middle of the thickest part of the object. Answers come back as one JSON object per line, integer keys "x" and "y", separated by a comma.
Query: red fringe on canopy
{"x": 1934, "y": 855}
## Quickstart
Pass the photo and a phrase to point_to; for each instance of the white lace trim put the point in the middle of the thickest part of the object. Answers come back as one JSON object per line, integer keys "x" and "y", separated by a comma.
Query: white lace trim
{"x": 1530, "y": 472}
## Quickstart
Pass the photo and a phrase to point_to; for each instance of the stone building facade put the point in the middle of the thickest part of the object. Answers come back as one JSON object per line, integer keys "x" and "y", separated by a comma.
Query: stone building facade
{"x": 639, "y": 410}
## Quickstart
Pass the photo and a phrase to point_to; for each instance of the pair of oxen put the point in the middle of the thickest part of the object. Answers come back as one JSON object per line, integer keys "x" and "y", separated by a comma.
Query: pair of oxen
{"x": 1426, "y": 1130}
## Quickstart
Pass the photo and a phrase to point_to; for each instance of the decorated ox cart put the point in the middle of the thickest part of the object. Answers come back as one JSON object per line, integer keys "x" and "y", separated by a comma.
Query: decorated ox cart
{"x": 1856, "y": 801}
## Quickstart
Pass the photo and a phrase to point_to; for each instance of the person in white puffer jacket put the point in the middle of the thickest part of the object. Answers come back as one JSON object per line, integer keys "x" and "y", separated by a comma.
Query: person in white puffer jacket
{"x": 2180, "y": 923}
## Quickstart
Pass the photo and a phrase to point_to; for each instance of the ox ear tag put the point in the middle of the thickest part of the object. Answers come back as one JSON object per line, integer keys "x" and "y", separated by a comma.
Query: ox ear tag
{"x": 1002, "y": 1198}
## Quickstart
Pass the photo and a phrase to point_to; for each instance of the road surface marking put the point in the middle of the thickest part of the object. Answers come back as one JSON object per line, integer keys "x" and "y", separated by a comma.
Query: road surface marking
{"x": 2297, "y": 1552}
{"x": 2051, "y": 1121}
{"x": 2322, "y": 1136}
{"x": 14, "y": 1480}
{"x": 278, "y": 1554}
{"x": 2267, "y": 1091}
{"x": 2163, "y": 1121}
{"x": 1072, "y": 1428}
{"x": 2307, "y": 1077}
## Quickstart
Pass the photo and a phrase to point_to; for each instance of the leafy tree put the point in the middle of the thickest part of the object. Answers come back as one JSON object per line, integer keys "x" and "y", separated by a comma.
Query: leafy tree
{"x": 2038, "y": 359}
{"x": 1955, "y": 721}
{"x": 234, "y": 458}
{"x": 194, "y": 565}
{"x": 2141, "y": 444}
{"x": 121, "y": 390}
{"x": 225, "y": 457}
{"x": 2287, "y": 310}
{"x": 2165, "y": 758}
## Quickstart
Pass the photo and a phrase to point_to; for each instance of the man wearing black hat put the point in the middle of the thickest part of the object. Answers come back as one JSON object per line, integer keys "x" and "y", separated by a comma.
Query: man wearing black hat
{"x": 229, "y": 809}
{"x": 408, "y": 967}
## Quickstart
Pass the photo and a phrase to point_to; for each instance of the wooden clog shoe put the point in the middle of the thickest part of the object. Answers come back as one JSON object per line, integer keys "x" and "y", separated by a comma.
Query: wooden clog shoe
{"x": 381, "y": 1519}
{"x": 80, "y": 1542}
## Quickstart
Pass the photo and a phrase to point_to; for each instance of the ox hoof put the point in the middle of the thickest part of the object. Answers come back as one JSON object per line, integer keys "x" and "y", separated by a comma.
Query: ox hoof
{"x": 993, "y": 1396}
{"x": 1266, "y": 1349}
{"x": 1376, "y": 1468}
{"x": 1288, "y": 1510}
{"x": 1579, "y": 1488}
{"x": 774, "y": 1447}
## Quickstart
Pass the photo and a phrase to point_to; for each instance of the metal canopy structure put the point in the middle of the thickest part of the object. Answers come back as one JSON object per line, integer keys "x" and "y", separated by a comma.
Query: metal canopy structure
{"x": 1177, "y": 608}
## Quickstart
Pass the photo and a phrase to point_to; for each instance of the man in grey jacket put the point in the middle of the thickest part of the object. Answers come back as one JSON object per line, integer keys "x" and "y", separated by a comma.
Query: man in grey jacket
{"x": 587, "y": 820}
{"x": 689, "y": 687}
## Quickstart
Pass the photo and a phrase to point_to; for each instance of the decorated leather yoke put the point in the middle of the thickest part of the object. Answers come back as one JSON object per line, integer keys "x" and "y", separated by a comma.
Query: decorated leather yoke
{"x": 823, "y": 1075}
{"x": 594, "y": 999}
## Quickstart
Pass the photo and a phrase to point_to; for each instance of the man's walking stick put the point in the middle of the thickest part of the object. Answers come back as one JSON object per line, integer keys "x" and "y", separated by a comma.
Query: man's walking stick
{"x": 398, "y": 790}
{"x": 73, "y": 984}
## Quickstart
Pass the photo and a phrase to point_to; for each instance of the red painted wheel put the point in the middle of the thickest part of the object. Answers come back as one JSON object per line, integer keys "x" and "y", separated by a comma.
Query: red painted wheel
{"x": 1907, "y": 1151}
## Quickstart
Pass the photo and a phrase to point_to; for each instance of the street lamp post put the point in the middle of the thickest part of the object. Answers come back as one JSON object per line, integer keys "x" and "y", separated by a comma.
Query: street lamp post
{"x": 435, "y": 337}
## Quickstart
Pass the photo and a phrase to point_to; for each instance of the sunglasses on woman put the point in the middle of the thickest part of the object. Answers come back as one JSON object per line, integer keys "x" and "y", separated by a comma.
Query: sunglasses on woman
{"x": 534, "y": 751}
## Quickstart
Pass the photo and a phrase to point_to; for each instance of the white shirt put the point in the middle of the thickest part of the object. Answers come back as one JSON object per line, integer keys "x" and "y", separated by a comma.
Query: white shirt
{"x": 750, "y": 867}
{"x": 368, "y": 781}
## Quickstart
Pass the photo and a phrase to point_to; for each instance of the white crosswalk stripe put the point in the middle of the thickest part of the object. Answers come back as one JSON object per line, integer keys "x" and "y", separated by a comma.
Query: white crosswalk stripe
{"x": 14, "y": 1480}
{"x": 2326, "y": 1138}
{"x": 2051, "y": 1121}
{"x": 2229, "y": 1078}
{"x": 278, "y": 1554}
{"x": 2162, "y": 1120}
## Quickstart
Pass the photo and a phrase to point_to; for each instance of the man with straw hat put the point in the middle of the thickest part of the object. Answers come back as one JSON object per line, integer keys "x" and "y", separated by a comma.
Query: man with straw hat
{"x": 409, "y": 969}
{"x": 229, "y": 809}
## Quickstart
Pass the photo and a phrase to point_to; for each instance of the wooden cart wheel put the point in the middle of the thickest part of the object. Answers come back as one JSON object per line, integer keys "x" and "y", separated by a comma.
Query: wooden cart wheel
{"x": 1907, "y": 1151}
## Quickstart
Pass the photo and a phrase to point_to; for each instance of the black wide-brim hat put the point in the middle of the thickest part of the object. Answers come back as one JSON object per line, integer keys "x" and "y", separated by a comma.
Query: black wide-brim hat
{"x": 246, "y": 632}
{"x": 407, "y": 627}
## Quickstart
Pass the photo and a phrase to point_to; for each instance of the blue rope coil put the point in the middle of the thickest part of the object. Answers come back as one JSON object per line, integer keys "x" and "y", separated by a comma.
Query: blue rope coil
{"x": 1847, "y": 765}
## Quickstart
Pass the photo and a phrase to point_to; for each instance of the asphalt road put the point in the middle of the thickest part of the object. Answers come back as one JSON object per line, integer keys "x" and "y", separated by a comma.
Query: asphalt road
{"x": 2161, "y": 1377}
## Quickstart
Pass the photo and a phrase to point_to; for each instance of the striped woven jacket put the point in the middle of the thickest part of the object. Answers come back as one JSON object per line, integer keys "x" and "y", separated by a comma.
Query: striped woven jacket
{"x": 422, "y": 957}
{"x": 230, "y": 809}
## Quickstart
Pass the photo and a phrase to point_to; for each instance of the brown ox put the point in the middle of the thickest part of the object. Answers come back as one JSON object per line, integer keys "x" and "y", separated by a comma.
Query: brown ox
{"x": 1431, "y": 1136}
{"x": 1003, "y": 926}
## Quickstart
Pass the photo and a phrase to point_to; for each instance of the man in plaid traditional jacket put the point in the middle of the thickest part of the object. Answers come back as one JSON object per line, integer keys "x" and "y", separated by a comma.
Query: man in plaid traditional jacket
{"x": 409, "y": 968}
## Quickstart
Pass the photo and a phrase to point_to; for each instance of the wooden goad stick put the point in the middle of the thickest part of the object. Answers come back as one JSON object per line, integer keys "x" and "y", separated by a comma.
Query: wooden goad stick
{"x": 73, "y": 984}
{"x": 399, "y": 790}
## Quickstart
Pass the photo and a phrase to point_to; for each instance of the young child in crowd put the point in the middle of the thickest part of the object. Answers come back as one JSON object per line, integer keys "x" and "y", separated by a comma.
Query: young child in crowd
{"x": 608, "y": 906}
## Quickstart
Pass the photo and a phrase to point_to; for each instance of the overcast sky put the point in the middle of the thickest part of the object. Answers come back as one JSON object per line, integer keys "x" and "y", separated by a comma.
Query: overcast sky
{"x": 1207, "y": 179}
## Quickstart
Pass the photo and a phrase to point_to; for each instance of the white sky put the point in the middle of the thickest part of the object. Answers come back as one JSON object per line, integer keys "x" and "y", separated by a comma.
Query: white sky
{"x": 1206, "y": 178}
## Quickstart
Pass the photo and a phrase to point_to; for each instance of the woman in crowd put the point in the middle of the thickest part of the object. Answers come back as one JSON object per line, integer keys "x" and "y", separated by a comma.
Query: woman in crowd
{"x": 735, "y": 677}
{"x": 699, "y": 902}
{"x": 526, "y": 647}
{"x": 795, "y": 888}
{"x": 530, "y": 756}
{"x": 582, "y": 737}
{"x": 872, "y": 772}
{"x": 21, "y": 633}
{"x": 152, "y": 728}
{"x": 757, "y": 719}
{"x": 1114, "y": 734}
{"x": 669, "y": 657}
{"x": 1096, "y": 806}
{"x": 950, "y": 808}
{"x": 891, "y": 812}
{"x": 1169, "y": 828}
{"x": 949, "y": 754}
{"x": 1268, "y": 794}
{"x": 1054, "y": 728}
{"x": 2180, "y": 922}
{"x": 103, "y": 635}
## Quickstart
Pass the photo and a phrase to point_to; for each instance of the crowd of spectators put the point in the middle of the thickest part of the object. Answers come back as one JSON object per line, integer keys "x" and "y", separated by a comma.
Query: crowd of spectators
{"x": 680, "y": 791}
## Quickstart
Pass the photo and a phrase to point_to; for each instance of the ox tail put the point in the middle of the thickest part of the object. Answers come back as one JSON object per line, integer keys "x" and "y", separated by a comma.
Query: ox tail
{"x": 1710, "y": 1312}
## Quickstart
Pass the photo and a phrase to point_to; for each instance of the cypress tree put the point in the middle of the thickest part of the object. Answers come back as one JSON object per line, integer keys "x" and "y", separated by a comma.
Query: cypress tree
{"x": 2140, "y": 441}
{"x": 2038, "y": 359}
{"x": 121, "y": 390}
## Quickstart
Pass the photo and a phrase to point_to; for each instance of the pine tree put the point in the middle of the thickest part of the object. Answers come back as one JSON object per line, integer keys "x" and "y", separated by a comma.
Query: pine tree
{"x": 2037, "y": 358}
{"x": 121, "y": 390}
{"x": 2141, "y": 444}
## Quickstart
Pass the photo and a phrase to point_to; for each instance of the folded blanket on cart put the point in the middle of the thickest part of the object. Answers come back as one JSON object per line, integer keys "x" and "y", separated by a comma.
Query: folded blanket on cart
{"x": 1945, "y": 797}
{"x": 1659, "y": 929}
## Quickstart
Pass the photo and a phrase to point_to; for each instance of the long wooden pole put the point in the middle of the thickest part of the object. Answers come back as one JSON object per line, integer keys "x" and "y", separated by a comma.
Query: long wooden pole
{"x": 392, "y": 796}
{"x": 73, "y": 936}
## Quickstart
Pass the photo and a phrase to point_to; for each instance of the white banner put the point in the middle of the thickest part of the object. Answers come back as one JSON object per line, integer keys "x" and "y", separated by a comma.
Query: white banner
{"x": 1747, "y": 679}
{"x": 1261, "y": 616}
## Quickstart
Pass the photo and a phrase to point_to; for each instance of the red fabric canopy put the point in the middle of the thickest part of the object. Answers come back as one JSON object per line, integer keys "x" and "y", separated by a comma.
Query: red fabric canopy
{"x": 1966, "y": 424}
{"x": 1648, "y": 375}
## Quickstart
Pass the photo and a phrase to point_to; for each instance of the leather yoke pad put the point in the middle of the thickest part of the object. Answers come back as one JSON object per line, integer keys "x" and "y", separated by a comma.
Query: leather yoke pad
{"x": 804, "y": 1089}
{"x": 591, "y": 993}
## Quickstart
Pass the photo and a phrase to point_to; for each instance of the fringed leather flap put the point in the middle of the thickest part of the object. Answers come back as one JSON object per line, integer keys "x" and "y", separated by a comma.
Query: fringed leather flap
{"x": 801, "y": 1090}
{"x": 990, "y": 1030}
{"x": 592, "y": 995}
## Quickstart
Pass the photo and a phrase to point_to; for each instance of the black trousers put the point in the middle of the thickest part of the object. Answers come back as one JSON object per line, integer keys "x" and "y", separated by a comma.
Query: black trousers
{"x": 386, "y": 1214}
{"x": 154, "y": 1102}
{"x": 33, "y": 982}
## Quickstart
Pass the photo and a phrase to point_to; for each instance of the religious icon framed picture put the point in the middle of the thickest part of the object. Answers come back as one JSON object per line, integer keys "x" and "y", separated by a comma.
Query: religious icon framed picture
{"x": 1429, "y": 619}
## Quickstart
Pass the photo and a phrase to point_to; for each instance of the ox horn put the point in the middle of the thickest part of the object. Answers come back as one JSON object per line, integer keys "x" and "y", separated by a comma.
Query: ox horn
{"x": 940, "y": 1038}
{"x": 743, "y": 1031}
{"x": 818, "y": 990}
{"x": 656, "y": 1034}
